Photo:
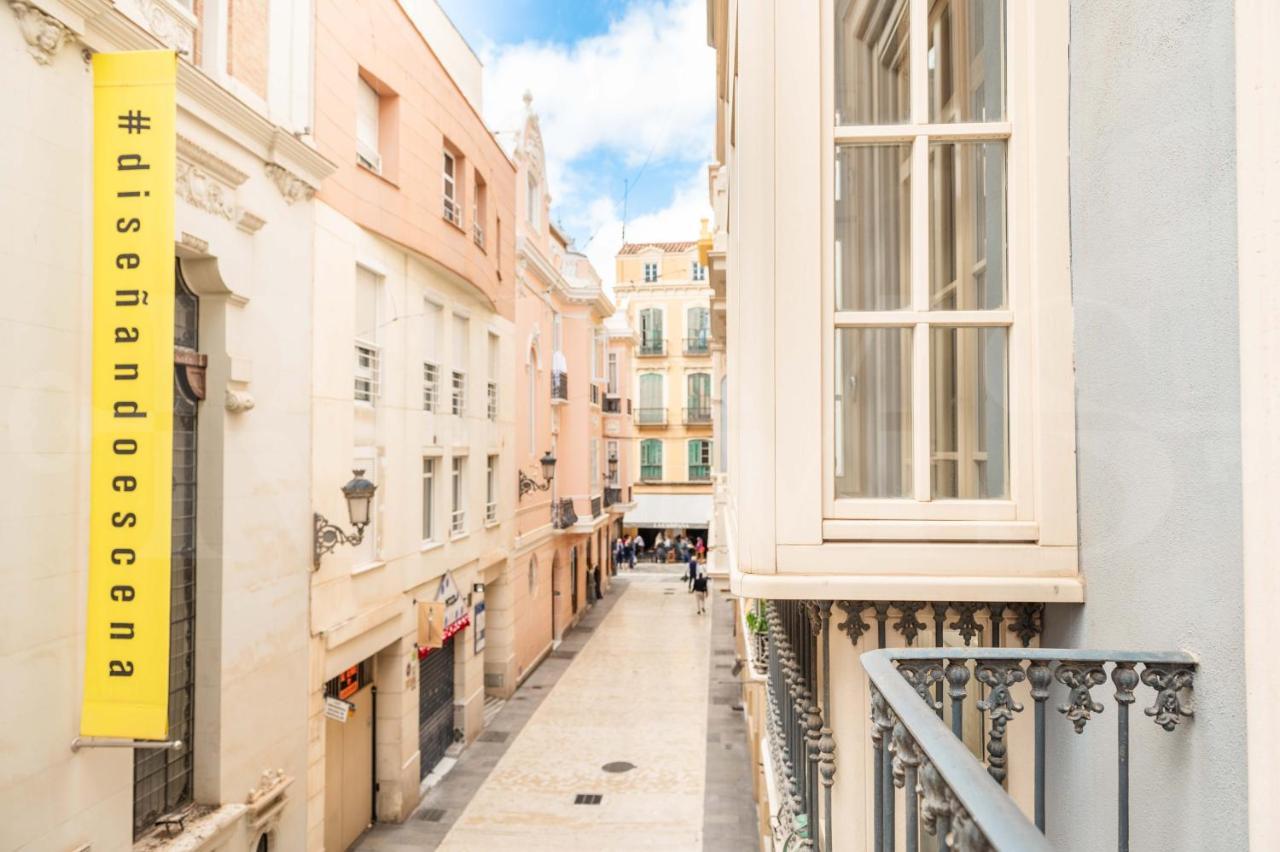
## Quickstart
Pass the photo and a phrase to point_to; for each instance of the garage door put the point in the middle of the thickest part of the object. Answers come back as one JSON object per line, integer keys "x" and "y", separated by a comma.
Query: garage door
{"x": 435, "y": 706}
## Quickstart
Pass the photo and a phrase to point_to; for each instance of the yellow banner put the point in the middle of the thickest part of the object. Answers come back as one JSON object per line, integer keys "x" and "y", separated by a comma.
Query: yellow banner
{"x": 126, "y": 673}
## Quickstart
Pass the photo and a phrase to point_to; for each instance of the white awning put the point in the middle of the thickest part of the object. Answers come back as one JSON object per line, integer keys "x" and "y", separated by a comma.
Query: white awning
{"x": 670, "y": 511}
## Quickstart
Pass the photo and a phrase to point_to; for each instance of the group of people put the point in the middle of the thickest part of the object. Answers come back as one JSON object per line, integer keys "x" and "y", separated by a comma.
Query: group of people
{"x": 627, "y": 550}
{"x": 631, "y": 549}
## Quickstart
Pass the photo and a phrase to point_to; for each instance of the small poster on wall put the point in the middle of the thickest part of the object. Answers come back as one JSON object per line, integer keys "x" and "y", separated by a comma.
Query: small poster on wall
{"x": 337, "y": 709}
{"x": 478, "y": 627}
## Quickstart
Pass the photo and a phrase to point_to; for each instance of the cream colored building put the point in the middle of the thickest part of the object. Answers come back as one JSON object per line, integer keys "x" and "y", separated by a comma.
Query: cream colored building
{"x": 241, "y": 546}
{"x": 998, "y": 385}
{"x": 664, "y": 290}
{"x": 413, "y": 384}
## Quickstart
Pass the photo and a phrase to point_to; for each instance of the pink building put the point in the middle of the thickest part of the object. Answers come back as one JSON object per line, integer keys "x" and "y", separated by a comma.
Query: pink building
{"x": 564, "y": 528}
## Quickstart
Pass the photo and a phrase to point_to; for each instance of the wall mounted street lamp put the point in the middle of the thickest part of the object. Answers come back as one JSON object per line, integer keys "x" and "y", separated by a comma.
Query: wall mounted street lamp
{"x": 359, "y": 494}
{"x": 613, "y": 468}
{"x": 529, "y": 485}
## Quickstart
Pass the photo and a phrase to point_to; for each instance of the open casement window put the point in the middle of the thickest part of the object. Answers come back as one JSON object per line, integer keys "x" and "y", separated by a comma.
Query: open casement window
{"x": 651, "y": 459}
{"x": 651, "y": 335}
{"x": 929, "y": 297}
{"x": 699, "y": 395}
{"x": 452, "y": 197}
{"x": 699, "y": 460}
{"x": 652, "y": 399}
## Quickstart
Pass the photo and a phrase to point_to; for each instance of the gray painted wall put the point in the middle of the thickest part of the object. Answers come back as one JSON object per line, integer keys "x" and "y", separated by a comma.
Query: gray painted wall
{"x": 1157, "y": 382}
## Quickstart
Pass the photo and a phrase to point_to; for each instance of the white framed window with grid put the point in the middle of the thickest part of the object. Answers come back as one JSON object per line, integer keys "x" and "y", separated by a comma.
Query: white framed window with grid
{"x": 650, "y": 272}
{"x": 428, "y": 499}
{"x": 461, "y": 357}
{"x": 368, "y": 354}
{"x": 928, "y": 281}
{"x": 431, "y": 334}
{"x": 491, "y": 491}
{"x": 458, "y": 493}
{"x": 452, "y": 203}
{"x": 491, "y": 390}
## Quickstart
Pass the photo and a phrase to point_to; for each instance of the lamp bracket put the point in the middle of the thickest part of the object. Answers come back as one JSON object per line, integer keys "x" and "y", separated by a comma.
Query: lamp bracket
{"x": 328, "y": 536}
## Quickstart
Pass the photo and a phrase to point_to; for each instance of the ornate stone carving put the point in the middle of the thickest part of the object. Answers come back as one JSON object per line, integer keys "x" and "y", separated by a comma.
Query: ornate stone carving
{"x": 173, "y": 26}
{"x": 45, "y": 35}
{"x": 922, "y": 674}
{"x": 909, "y": 625}
{"x": 238, "y": 400}
{"x": 292, "y": 187}
{"x": 853, "y": 625}
{"x": 1079, "y": 678}
{"x": 998, "y": 675}
{"x": 200, "y": 189}
{"x": 1173, "y": 684}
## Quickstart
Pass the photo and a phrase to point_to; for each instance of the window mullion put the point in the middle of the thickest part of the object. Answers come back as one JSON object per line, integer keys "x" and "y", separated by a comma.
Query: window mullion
{"x": 921, "y": 415}
{"x": 919, "y": 54}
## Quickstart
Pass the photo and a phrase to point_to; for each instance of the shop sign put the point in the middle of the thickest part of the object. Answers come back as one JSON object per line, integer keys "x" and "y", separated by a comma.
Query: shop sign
{"x": 455, "y": 608}
{"x": 349, "y": 682}
{"x": 126, "y": 674}
{"x": 478, "y": 632}
{"x": 337, "y": 709}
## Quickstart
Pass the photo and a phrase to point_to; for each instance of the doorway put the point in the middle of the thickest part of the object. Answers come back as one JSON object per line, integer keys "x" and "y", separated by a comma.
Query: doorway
{"x": 348, "y": 759}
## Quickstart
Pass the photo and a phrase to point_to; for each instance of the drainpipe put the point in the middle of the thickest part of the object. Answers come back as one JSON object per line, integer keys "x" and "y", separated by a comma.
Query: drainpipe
{"x": 373, "y": 761}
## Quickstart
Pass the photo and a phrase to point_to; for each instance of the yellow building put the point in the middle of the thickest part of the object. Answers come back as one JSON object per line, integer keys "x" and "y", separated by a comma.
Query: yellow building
{"x": 664, "y": 291}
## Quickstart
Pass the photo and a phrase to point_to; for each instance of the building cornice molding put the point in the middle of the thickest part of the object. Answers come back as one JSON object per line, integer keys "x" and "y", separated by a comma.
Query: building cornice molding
{"x": 101, "y": 26}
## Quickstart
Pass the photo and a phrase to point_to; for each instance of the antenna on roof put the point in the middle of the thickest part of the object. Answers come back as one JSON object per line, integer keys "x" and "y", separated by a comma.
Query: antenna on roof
{"x": 626, "y": 185}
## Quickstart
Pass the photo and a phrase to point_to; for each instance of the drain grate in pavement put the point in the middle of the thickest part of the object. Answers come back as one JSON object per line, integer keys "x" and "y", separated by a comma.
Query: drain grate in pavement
{"x": 431, "y": 815}
{"x": 618, "y": 766}
{"x": 722, "y": 699}
{"x": 563, "y": 655}
{"x": 587, "y": 799}
{"x": 493, "y": 737}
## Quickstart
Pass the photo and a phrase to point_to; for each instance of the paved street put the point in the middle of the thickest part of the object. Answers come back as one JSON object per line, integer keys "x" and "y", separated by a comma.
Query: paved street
{"x": 641, "y": 687}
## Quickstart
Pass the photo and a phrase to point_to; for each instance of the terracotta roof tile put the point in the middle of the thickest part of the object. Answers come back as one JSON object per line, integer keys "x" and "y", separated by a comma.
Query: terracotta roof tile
{"x": 636, "y": 248}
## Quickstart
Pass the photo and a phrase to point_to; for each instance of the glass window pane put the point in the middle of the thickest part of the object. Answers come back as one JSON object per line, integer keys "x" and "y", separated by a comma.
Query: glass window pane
{"x": 969, "y": 387}
{"x": 966, "y": 61}
{"x": 871, "y": 62}
{"x": 872, "y": 220}
{"x": 966, "y": 226}
{"x": 873, "y": 412}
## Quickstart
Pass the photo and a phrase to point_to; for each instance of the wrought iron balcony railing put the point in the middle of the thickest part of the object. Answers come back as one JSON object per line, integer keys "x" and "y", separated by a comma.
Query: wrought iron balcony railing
{"x": 563, "y": 515}
{"x": 652, "y": 346}
{"x": 612, "y": 495}
{"x": 597, "y": 507}
{"x": 651, "y": 472}
{"x": 947, "y": 790}
{"x": 697, "y": 414}
{"x": 651, "y": 416}
{"x": 699, "y": 345}
{"x": 612, "y": 405}
{"x": 699, "y": 472}
{"x": 920, "y": 703}
{"x": 560, "y": 386}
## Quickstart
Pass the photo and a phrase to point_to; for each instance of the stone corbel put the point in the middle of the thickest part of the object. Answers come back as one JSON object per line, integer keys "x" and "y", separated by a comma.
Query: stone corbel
{"x": 292, "y": 187}
{"x": 45, "y": 35}
{"x": 266, "y": 801}
{"x": 238, "y": 401}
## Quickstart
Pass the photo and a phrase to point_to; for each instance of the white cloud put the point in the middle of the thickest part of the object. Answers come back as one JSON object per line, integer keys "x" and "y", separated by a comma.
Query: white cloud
{"x": 677, "y": 221}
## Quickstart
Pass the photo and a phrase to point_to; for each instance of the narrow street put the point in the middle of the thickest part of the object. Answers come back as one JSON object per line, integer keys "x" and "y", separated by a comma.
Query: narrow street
{"x": 635, "y": 710}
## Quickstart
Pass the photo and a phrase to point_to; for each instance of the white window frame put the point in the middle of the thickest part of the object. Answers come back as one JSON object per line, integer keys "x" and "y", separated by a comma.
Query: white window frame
{"x": 368, "y": 151}
{"x": 429, "y": 498}
{"x": 651, "y": 271}
{"x": 491, "y": 491}
{"x": 698, "y": 272}
{"x": 1041, "y": 449}
{"x": 367, "y": 363}
{"x": 452, "y": 206}
{"x": 458, "y": 497}
{"x": 611, "y": 372}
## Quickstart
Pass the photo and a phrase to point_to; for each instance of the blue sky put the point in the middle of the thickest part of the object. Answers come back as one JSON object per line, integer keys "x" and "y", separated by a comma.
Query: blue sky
{"x": 624, "y": 90}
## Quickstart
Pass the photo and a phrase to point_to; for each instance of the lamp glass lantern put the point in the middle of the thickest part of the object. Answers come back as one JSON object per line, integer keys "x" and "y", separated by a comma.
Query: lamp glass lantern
{"x": 359, "y": 494}
{"x": 548, "y": 466}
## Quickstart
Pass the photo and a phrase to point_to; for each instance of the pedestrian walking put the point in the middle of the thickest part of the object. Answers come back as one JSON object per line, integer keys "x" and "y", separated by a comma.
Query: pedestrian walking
{"x": 692, "y": 574}
{"x": 701, "y": 548}
{"x": 631, "y": 553}
{"x": 638, "y": 541}
{"x": 700, "y": 592}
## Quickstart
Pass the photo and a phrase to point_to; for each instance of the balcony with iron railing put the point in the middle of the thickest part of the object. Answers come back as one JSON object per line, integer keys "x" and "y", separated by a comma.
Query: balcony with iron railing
{"x": 612, "y": 495}
{"x": 612, "y": 404}
{"x": 597, "y": 507}
{"x": 697, "y": 345}
{"x": 651, "y": 416}
{"x": 559, "y": 387}
{"x": 699, "y": 473}
{"x": 652, "y": 347}
{"x": 650, "y": 472}
{"x": 925, "y": 777}
{"x": 697, "y": 415}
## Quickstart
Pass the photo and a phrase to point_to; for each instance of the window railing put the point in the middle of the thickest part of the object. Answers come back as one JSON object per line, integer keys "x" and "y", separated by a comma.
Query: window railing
{"x": 612, "y": 495}
{"x": 653, "y": 346}
{"x": 699, "y": 472}
{"x": 459, "y": 402}
{"x": 698, "y": 414}
{"x": 563, "y": 515}
{"x": 430, "y": 386}
{"x": 367, "y": 372}
{"x": 491, "y": 513}
{"x": 477, "y": 233}
{"x": 651, "y": 472}
{"x": 492, "y": 402}
{"x": 699, "y": 345}
{"x": 458, "y": 522}
{"x": 560, "y": 386}
{"x": 651, "y": 416}
{"x": 612, "y": 405}
{"x": 452, "y": 212}
{"x": 597, "y": 507}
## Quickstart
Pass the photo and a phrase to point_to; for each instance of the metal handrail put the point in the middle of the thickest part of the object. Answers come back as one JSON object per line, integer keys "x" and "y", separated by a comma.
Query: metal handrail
{"x": 994, "y": 814}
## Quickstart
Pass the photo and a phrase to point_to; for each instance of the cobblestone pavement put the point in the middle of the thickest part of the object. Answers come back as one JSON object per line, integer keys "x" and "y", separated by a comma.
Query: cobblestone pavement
{"x": 644, "y": 684}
